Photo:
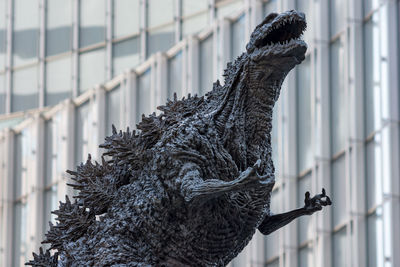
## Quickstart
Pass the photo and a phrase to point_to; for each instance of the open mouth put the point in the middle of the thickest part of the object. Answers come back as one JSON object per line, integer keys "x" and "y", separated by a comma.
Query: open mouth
{"x": 283, "y": 31}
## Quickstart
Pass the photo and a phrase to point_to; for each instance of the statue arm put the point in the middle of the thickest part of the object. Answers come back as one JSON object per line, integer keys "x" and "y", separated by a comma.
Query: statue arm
{"x": 273, "y": 222}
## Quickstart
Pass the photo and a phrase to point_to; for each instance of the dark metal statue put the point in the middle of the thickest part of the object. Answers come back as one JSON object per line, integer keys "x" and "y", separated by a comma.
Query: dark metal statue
{"x": 191, "y": 187}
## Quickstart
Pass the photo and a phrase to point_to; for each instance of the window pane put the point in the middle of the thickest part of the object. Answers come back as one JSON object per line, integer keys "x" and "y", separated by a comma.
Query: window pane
{"x": 304, "y": 145}
{"x": 269, "y": 7}
{"x": 20, "y": 235}
{"x": 338, "y": 15}
{"x": 275, "y": 140}
{"x": 175, "y": 76}
{"x": 48, "y": 150}
{"x": 125, "y": 55}
{"x": 18, "y": 167}
{"x": 306, "y": 6}
{"x": 58, "y": 80}
{"x": 92, "y": 22}
{"x": 2, "y": 93}
{"x": 144, "y": 95}
{"x": 50, "y": 204}
{"x": 304, "y": 226}
{"x": 206, "y": 65}
{"x": 375, "y": 239}
{"x": 370, "y": 5}
{"x": 238, "y": 43}
{"x": 91, "y": 69}
{"x": 339, "y": 190}
{"x": 25, "y": 93}
{"x": 305, "y": 257}
{"x": 195, "y": 24}
{"x": 272, "y": 240}
{"x": 82, "y": 133}
{"x": 228, "y": 9}
{"x": 59, "y": 27}
{"x": 189, "y": 6}
{"x": 126, "y": 17}
{"x": 54, "y": 161}
{"x": 338, "y": 98}
{"x": 274, "y": 263}
{"x": 3, "y": 36}
{"x": 160, "y": 12}
{"x": 113, "y": 104}
{"x": 374, "y": 171}
{"x": 372, "y": 74}
{"x": 339, "y": 248}
{"x": 160, "y": 39}
{"x": 26, "y": 31}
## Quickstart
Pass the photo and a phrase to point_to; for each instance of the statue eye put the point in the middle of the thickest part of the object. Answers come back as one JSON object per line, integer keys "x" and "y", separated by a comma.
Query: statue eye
{"x": 270, "y": 18}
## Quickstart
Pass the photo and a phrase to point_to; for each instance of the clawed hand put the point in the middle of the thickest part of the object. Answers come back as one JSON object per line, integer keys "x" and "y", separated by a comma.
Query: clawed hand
{"x": 317, "y": 202}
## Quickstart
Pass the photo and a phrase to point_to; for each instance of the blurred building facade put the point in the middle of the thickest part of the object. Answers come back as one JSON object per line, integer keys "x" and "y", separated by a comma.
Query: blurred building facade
{"x": 71, "y": 69}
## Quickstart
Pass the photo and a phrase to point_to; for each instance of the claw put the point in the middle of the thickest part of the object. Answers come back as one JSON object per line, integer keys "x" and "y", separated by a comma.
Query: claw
{"x": 323, "y": 192}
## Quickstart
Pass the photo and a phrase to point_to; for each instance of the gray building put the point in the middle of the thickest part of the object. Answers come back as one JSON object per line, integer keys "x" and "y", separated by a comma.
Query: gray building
{"x": 70, "y": 69}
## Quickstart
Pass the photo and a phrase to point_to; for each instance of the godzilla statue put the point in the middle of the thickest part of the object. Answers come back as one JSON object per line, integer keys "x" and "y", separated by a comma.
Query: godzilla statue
{"x": 193, "y": 184}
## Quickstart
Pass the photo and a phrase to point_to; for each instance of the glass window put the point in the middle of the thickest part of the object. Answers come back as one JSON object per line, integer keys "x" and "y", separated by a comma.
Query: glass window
{"x": 337, "y": 16}
{"x": 190, "y": 7}
{"x": 3, "y": 93}
{"x": 58, "y": 80}
{"x": 275, "y": 140}
{"x": 160, "y": 39}
{"x": 195, "y": 24}
{"x": 113, "y": 104}
{"x": 372, "y": 73}
{"x": 375, "y": 238}
{"x": 338, "y": 97}
{"x": 305, "y": 257}
{"x": 270, "y": 7}
{"x": 92, "y": 24}
{"x": 91, "y": 69}
{"x": 274, "y": 263}
{"x": 303, "y": 98}
{"x": 160, "y": 12}
{"x": 306, "y": 6}
{"x": 25, "y": 92}
{"x": 370, "y": 5}
{"x": 339, "y": 246}
{"x": 3, "y": 36}
{"x": 373, "y": 172}
{"x": 272, "y": 240}
{"x": 25, "y": 32}
{"x": 238, "y": 43}
{"x": 58, "y": 27}
{"x": 175, "y": 76}
{"x": 228, "y": 9}
{"x": 50, "y": 203}
{"x": 304, "y": 225}
{"x": 126, "y": 17}
{"x": 19, "y": 169}
{"x": 206, "y": 65}
{"x": 144, "y": 95}
{"x": 20, "y": 235}
{"x": 339, "y": 190}
{"x": 126, "y": 54}
{"x": 82, "y": 128}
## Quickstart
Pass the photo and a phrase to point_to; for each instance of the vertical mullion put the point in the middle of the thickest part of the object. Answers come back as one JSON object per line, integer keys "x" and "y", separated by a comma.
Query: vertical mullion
{"x": 42, "y": 52}
{"x": 143, "y": 32}
{"x": 178, "y": 20}
{"x": 9, "y": 62}
{"x": 75, "y": 49}
{"x": 109, "y": 36}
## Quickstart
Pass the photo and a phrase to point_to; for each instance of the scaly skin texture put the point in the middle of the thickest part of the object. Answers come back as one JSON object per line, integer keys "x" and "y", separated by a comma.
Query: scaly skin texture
{"x": 191, "y": 187}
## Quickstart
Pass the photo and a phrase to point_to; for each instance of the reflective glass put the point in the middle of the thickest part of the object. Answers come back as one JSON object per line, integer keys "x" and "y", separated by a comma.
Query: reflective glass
{"x": 144, "y": 95}
{"x": 92, "y": 69}
{"x": 372, "y": 74}
{"x": 58, "y": 80}
{"x": 54, "y": 160}
{"x": 303, "y": 98}
{"x": 274, "y": 263}
{"x": 160, "y": 12}
{"x": 175, "y": 76}
{"x": 238, "y": 42}
{"x": 82, "y": 133}
{"x": 126, "y": 17}
{"x": 305, "y": 257}
{"x": 338, "y": 98}
{"x": 18, "y": 168}
{"x": 272, "y": 240}
{"x": 126, "y": 55}
{"x": 337, "y": 16}
{"x": 339, "y": 186}
{"x": 194, "y": 24}
{"x": 306, "y": 6}
{"x": 275, "y": 140}
{"x": 25, "y": 92}
{"x": 113, "y": 114}
{"x": 20, "y": 236}
{"x": 375, "y": 239}
{"x": 374, "y": 172}
{"x": 3, "y": 36}
{"x": 269, "y": 7}
{"x": 370, "y": 5}
{"x": 3, "y": 93}
{"x": 304, "y": 225}
{"x": 228, "y": 9}
{"x": 160, "y": 39}
{"x": 58, "y": 27}
{"x": 206, "y": 64}
{"x": 339, "y": 246}
{"x": 190, "y": 7}
{"x": 92, "y": 24}
{"x": 25, "y": 31}
{"x": 48, "y": 152}
{"x": 50, "y": 203}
